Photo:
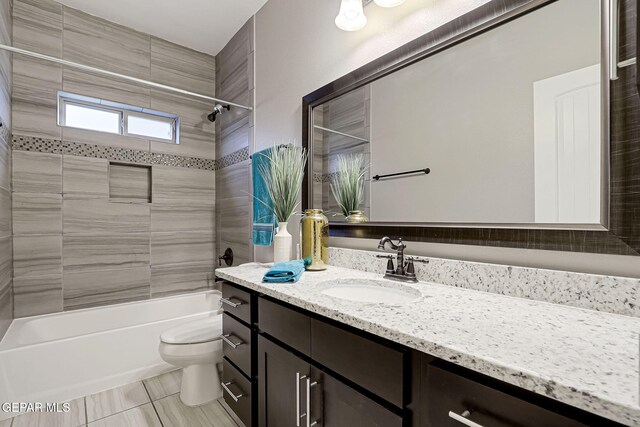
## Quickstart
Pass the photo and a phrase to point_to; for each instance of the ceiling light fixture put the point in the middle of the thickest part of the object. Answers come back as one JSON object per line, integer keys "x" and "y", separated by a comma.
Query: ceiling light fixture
{"x": 351, "y": 16}
{"x": 388, "y": 3}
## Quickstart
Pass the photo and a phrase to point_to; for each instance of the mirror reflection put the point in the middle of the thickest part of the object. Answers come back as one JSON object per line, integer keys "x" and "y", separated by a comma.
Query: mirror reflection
{"x": 508, "y": 125}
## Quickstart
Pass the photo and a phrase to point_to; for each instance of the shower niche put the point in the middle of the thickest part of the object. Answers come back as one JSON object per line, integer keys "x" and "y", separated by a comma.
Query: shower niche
{"x": 129, "y": 183}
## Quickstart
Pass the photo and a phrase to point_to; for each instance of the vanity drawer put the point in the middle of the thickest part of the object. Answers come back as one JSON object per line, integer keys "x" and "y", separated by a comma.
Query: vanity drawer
{"x": 372, "y": 365}
{"x": 447, "y": 392}
{"x": 236, "y": 343}
{"x": 236, "y": 391}
{"x": 237, "y": 302}
{"x": 284, "y": 324}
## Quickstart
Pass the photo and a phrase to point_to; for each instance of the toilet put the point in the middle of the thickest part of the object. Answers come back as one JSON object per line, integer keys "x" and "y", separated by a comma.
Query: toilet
{"x": 196, "y": 347}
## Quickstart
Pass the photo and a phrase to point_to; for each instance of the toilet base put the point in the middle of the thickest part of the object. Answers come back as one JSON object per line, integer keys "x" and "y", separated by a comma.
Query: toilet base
{"x": 200, "y": 384}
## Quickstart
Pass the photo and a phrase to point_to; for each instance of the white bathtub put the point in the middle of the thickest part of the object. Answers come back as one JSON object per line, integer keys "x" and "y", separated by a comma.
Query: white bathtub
{"x": 62, "y": 356}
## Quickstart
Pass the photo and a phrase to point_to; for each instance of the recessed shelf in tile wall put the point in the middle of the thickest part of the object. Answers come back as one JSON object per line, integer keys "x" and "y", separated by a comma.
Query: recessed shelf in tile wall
{"x": 129, "y": 183}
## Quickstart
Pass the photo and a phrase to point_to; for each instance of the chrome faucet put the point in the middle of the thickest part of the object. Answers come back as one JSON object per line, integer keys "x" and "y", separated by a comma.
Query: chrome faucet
{"x": 404, "y": 270}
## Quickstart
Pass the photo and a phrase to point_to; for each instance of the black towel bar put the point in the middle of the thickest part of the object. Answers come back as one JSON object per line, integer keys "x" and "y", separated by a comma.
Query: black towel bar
{"x": 425, "y": 171}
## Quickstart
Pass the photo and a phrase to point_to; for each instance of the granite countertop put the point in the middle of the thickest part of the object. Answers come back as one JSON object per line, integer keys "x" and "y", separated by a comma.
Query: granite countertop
{"x": 584, "y": 358}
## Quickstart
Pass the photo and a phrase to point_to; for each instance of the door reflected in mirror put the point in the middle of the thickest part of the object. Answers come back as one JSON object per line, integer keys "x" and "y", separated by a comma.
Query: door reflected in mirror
{"x": 509, "y": 123}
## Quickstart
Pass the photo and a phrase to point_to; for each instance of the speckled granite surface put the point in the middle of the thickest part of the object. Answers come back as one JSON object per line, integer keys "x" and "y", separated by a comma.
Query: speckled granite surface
{"x": 584, "y": 358}
{"x": 620, "y": 295}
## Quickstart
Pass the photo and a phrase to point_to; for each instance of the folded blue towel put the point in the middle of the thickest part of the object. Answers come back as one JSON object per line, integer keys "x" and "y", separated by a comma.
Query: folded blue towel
{"x": 264, "y": 219}
{"x": 285, "y": 272}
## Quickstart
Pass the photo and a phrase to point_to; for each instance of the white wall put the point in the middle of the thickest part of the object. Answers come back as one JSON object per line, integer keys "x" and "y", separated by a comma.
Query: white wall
{"x": 299, "y": 49}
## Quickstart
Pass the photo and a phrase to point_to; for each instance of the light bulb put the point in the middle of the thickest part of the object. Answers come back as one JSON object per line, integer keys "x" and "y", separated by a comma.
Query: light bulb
{"x": 351, "y": 16}
{"x": 388, "y": 3}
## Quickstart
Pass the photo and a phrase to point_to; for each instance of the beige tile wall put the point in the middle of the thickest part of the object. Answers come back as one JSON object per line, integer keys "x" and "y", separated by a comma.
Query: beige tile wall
{"x": 234, "y": 79}
{"x": 74, "y": 246}
{"x": 6, "y": 241}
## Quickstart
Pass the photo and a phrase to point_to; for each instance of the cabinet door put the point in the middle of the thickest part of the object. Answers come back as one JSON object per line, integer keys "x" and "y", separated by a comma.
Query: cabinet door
{"x": 280, "y": 395}
{"x": 334, "y": 404}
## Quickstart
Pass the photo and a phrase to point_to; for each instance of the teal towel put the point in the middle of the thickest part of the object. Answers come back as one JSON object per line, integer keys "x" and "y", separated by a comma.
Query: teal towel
{"x": 264, "y": 219}
{"x": 285, "y": 272}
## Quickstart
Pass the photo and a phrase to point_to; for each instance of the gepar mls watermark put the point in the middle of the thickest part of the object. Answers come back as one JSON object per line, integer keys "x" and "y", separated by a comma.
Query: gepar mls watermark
{"x": 21, "y": 407}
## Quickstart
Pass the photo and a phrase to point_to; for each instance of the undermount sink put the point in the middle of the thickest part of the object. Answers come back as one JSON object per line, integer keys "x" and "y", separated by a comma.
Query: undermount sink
{"x": 371, "y": 291}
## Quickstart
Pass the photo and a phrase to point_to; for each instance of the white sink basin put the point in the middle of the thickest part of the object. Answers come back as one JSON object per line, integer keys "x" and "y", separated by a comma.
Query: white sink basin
{"x": 371, "y": 291}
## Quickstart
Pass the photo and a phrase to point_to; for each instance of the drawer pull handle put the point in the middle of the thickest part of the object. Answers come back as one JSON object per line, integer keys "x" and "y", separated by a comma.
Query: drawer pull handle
{"x": 226, "y": 339}
{"x": 225, "y": 386}
{"x": 231, "y": 303}
{"x": 308, "y": 413}
{"x": 464, "y": 418}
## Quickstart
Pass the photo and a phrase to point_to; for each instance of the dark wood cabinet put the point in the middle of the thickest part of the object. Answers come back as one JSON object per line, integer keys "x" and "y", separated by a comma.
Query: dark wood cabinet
{"x": 286, "y": 325}
{"x": 279, "y": 385}
{"x": 237, "y": 302}
{"x": 374, "y": 366}
{"x": 236, "y": 344}
{"x": 238, "y": 367}
{"x": 338, "y": 405}
{"x": 290, "y": 390}
{"x": 447, "y": 395}
{"x": 237, "y": 392}
{"x": 301, "y": 369}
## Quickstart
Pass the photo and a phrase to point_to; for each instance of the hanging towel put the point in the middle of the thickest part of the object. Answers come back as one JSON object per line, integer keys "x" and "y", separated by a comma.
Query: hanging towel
{"x": 285, "y": 272}
{"x": 263, "y": 217}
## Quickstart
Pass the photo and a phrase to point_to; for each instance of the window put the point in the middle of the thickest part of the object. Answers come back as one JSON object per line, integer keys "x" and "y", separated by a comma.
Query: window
{"x": 105, "y": 116}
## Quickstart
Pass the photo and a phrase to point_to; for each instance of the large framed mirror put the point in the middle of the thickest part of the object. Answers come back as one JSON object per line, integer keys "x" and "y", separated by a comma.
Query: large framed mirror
{"x": 494, "y": 129}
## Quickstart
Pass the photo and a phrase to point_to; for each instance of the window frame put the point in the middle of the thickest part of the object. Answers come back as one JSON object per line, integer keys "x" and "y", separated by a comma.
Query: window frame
{"x": 124, "y": 111}
{"x": 155, "y": 117}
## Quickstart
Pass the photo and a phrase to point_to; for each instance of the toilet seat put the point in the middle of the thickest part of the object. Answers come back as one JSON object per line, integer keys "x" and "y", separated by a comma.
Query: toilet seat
{"x": 194, "y": 332}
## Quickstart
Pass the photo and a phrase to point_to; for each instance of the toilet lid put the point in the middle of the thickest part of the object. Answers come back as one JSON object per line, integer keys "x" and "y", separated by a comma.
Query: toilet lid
{"x": 194, "y": 332}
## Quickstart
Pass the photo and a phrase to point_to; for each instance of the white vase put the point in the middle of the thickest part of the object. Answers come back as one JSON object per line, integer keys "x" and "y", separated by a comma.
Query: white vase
{"x": 282, "y": 243}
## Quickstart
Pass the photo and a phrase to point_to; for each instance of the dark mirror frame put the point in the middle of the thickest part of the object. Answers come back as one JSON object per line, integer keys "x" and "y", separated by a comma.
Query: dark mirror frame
{"x": 621, "y": 236}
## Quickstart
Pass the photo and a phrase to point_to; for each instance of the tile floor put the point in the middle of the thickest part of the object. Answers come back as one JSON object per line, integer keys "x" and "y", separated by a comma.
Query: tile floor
{"x": 150, "y": 403}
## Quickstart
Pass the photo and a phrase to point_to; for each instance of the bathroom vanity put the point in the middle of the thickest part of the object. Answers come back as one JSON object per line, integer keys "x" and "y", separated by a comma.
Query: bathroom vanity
{"x": 295, "y": 355}
{"x": 472, "y": 103}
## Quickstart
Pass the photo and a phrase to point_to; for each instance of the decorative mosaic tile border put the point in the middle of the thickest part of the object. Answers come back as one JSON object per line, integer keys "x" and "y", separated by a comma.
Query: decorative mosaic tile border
{"x": 182, "y": 161}
{"x": 236, "y": 157}
{"x": 4, "y": 131}
{"x": 56, "y": 146}
{"x": 324, "y": 177}
{"x": 620, "y": 295}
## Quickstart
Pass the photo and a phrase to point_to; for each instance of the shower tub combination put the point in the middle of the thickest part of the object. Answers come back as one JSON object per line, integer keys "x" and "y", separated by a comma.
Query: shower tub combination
{"x": 62, "y": 356}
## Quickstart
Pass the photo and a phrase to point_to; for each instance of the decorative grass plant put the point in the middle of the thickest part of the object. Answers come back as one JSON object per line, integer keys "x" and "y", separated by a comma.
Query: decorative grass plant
{"x": 283, "y": 178}
{"x": 347, "y": 185}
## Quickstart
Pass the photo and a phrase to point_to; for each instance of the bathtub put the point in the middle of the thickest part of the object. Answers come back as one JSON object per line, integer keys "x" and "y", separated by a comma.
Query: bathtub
{"x": 62, "y": 356}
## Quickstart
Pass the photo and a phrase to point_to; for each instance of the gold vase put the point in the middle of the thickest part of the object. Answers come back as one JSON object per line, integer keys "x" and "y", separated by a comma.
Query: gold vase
{"x": 314, "y": 239}
{"x": 357, "y": 217}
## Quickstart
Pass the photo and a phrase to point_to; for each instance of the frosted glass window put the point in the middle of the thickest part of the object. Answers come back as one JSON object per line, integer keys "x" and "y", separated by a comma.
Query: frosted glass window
{"x": 152, "y": 128}
{"x": 85, "y": 117}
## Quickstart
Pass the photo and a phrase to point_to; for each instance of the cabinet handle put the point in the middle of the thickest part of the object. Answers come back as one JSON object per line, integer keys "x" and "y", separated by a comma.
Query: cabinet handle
{"x": 298, "y": 415}
{"x": 226, "y": 387}
{"x": 226, "y": 339}
{"x": 308, "y": 413}
{"x": 231, "y": 303}
{"x": 463, "y": 418}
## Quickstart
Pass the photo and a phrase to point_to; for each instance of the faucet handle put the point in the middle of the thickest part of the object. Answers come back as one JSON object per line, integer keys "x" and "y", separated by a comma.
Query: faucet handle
{"x": 390, "y": 268}
{"x": 411, "y": 269}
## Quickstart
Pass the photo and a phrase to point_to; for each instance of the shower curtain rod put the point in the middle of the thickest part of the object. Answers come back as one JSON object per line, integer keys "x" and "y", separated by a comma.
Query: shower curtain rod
{"x": 119, "y": 76}
{"x": 340, "y": 133}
